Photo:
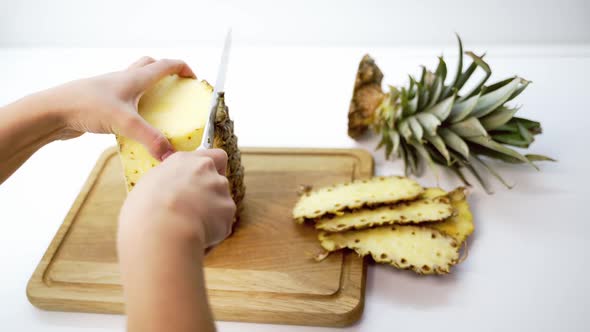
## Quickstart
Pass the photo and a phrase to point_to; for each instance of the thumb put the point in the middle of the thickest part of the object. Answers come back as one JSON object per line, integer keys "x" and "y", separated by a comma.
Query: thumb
{"x": 136, "y": 128}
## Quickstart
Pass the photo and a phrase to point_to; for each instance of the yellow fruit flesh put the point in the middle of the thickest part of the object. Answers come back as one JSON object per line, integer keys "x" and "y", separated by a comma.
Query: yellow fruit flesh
{"x": 459, "y": 226}
{"x": 334, "y": 199}
{"x": 414, "y": 212}
{"x": 179, "y": 108}
{"x": 423, "y": 250}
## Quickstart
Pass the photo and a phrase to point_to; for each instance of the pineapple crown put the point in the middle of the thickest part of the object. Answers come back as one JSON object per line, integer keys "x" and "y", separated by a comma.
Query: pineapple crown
{"x": 431, "y": 120}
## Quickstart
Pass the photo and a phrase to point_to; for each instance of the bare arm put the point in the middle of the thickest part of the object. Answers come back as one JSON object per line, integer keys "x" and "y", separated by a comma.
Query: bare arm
{"x": 164, "y": 284}
{"x": 25, "y": 126}
{"x": 101, "y": 104}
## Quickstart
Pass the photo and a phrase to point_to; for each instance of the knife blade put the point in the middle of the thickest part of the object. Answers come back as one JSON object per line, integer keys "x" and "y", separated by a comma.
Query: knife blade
{"x": 209, "y": 131}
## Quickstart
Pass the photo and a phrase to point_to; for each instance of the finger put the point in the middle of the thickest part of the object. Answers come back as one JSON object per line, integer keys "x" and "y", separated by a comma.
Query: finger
{"x": 152, "y": 73}
{"x": 219, "y": 158}
{"x": 143, "y": 61}
{"x": 136, "y": 128}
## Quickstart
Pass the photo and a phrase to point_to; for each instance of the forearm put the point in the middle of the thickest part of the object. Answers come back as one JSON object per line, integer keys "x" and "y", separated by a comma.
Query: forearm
{"x": 164, "y": 284}
{"x": 25, "y": 126}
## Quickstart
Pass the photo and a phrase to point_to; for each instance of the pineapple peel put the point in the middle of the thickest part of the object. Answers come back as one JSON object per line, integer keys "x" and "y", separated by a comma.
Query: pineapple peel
{"x": 423, "y": 250}
{"x": 419, "y": 211}
{"x": 353, "y": 195}
{"x": 460, "y": 225}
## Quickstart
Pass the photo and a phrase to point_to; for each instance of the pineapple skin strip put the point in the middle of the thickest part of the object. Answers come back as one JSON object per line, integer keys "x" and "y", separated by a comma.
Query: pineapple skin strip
{"x": 423, "y": 210}
{"x": 353, "y": 195}
{"x": 420, "y": 249}
{"x": 432, "y": 205}
{"x": 460, "y": 225}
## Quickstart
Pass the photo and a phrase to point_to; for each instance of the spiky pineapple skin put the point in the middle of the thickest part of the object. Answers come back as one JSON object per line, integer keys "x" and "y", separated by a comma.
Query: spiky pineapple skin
{"x": 356, "y": 194}
{"x": 226, "y": 139}
{"x": 412, "y": 212}
{"x": 420, "y": 249}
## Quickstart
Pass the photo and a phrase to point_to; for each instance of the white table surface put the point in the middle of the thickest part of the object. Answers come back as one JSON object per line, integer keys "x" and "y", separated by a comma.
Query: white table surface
{"x": 528, "y": 260}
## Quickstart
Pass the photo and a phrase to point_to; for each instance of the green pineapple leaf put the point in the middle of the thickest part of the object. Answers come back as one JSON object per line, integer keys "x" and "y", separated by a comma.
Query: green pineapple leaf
{"x": 424, "y": 154}
{"x": 514, "y": 139}
{"x": 489, "y": 101}
{"x": 384, "y": 138}
{"x": 388, "y": 149}
{"x": 479, "y": 178}
{"x": 520, "y": 89}
{"x": 416, "y": 128}
{"x": 498, "y": 118}
{"x": 486, "y": 68}
{"x": 404, "y": 129}
{"x": 435, "y": 92}
{"x": 525, "y": 134}
{"x": 489, "y": 143}
{"x": 454, "y": 141}
{"x": 512, "y": 126}
{"x": 470, "y": 127}
{"x": 423, "y": 75}
{"x": 499, "y": 84}
{"x": 449, "y": 89}
{"x": 462, "y": 109}
{"x": 429, "y": 122}
{"x": 443, "y": 108}
{"x": 466, "y": 75}
{"x": 412, "y": 106}
{"x": 492, "y": 171}
{"x": 395, "y": 141}
{"x": 441, "y": 69}
{"x": 439, "y": 145}
{"x": 538, "y": 157}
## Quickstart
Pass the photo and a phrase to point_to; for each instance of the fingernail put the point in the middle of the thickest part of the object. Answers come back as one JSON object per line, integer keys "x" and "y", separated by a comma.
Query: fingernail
{"x": 167, "y": 154}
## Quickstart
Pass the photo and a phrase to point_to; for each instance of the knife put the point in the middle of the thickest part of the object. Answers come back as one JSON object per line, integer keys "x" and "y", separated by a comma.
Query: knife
{"x": 209, "y": 131}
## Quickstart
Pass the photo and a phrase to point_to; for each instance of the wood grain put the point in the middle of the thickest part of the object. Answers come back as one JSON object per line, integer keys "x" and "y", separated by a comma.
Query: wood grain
{"x": 262, "y": 273}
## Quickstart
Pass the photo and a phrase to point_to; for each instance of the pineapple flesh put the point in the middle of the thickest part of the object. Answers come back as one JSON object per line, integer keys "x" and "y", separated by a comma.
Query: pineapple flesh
{"x": 419, "y": 211}
{"x": 460, "y": 225}
{"x": 423, "y": 250}
{"x": 179, "y": 108}
{"x": 337, "y": 198}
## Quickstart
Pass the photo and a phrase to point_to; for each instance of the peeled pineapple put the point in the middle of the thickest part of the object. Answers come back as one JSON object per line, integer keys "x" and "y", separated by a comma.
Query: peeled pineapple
{"x": 418, "y": 211}
{"x": 179, "y": 107}
{"x": 356, "y": 194}
{"x": 423, "y": 250}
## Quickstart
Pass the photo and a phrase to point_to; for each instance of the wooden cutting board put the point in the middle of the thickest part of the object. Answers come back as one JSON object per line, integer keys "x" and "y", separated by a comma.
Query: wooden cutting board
{"x": 263, "y": 273}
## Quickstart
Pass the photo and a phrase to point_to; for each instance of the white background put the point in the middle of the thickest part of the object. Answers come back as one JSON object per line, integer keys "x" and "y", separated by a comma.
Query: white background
{"x": 289, "y": 84}
{"x": 303, "y": 22}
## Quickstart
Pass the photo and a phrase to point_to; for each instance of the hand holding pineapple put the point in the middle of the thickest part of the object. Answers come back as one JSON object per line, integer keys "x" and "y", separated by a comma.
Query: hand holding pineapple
{"x": 108, "y": 103}
{"x": 102, "y": 104}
